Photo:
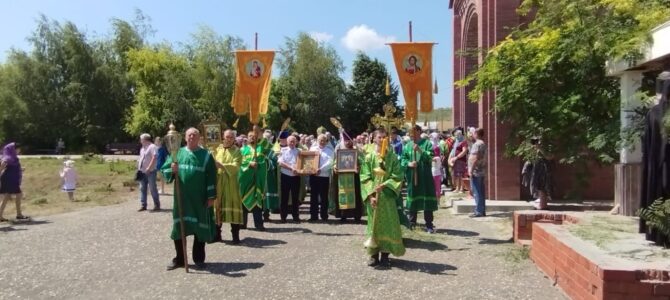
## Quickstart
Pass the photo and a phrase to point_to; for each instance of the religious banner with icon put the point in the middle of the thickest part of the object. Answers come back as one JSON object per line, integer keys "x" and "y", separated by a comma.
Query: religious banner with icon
{"x": 252, "y": 83}
{"x": 413, "y": 61}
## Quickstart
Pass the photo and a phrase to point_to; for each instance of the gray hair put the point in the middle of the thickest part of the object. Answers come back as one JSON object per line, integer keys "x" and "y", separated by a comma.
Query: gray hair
{"x": 145, "y": 137}
{"x": 192, "y": 129}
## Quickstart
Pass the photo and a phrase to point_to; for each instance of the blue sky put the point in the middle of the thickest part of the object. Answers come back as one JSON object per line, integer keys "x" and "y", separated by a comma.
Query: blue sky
{"x": 347, "y": 25}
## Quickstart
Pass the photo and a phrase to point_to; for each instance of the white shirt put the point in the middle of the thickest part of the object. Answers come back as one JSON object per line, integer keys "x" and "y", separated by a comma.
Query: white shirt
{"x": 325, "y": 160}
{"x": 146, "y": 153}
{"x": 290, "y": 157}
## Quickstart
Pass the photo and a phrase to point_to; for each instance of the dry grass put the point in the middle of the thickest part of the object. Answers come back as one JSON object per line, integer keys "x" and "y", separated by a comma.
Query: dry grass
{"x": 100, "y": 183}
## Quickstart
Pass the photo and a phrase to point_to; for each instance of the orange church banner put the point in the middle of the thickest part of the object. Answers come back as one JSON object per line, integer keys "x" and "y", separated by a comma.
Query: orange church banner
{"x": 252, "y": 83}
{"x": 413, "y": 61}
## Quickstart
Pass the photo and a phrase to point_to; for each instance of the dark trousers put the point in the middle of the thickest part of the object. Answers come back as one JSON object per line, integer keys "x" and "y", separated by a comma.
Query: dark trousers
{"x": 258, "y": 217}
{"x": 198, "y": 251}
{"x": 290, "y": 186}
{"x": 318, "y": 199}
{"x": 427, "y": 216}
{"x": 234, "y": 230}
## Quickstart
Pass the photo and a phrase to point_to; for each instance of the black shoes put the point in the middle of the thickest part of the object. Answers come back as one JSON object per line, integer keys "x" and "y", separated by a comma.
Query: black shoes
{"x": 174, "y": 265}
{"x": 477, "y": 215}
{"x": 373, "y": 261}
{"x": 156, "y": 208}
{"x": 142, "y": 208}
{"x": 384, "y": 262}
{"x": 200, "y": 266}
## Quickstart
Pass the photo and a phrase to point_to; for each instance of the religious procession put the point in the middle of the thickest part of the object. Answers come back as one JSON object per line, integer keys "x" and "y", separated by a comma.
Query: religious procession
{"x": 221, "y": 175}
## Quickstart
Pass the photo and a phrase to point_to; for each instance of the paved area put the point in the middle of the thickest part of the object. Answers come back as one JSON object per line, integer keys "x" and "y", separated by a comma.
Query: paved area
{"x": 115, "y": 252}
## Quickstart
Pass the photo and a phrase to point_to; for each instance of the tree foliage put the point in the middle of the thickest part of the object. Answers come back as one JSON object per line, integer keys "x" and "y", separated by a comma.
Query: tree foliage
{"x": 367, "y": 94}
{"x": 550, "y": 78}
{"x": 310, "y": 81}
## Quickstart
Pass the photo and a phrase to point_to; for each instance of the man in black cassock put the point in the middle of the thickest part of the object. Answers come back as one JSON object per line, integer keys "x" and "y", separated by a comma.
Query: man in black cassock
{"x": 655, "y": 162}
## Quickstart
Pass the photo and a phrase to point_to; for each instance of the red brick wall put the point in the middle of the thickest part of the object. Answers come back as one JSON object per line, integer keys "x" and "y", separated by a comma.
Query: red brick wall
{"x": 600, "y": 184}
{"x": 581, "y": 278}
{"x": 482, "y": 24}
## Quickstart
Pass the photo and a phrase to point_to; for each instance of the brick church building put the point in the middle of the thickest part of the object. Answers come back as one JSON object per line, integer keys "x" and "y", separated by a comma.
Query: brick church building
{"x": 481, "y": 24}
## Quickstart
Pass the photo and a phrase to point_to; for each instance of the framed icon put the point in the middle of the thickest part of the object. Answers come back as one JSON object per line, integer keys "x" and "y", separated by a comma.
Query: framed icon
{"x": 346, "y": 160}
{"x": 308, "y": 162}
{"x": 212, "y": 134}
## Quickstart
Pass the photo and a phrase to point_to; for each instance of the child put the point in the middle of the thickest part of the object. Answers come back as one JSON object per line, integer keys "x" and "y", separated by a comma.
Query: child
{"x": 69, "y": 177}
{"x": 436, "y": 169}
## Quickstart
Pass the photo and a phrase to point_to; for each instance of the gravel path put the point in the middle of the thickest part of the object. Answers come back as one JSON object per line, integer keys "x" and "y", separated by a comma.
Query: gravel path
{"x": 114, "y": 252}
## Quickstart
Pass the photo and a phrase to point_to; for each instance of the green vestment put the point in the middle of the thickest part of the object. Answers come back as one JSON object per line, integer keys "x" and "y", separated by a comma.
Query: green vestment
{"x": 383, "y": 224}
{"x": 228, "y": 189}
{"x": 197, "y": 184}
{"x": 420, "y": 196}
{"x": 253, "y": 180}
{"x": 272, "y": 194}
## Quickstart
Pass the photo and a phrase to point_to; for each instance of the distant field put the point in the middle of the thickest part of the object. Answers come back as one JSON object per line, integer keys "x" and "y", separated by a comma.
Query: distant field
{"x": 100, "y": 183}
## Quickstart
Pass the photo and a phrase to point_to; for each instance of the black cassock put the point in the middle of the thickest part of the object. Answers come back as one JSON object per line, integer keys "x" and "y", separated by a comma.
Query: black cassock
{"x": 655, "y": 163}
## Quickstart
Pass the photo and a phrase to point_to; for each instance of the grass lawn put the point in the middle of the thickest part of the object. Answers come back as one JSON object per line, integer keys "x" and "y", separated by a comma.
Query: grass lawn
{"x": 99, "y": 183}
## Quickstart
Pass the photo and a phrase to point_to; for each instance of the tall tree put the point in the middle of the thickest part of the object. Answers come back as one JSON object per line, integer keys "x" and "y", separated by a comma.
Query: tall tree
{"x": 165, "y": 91}
{"x": 310, "y": 81}
{"x": 213, "y": 61}
{"x": 550, "y": 78}
{"x": 367, "y": 94}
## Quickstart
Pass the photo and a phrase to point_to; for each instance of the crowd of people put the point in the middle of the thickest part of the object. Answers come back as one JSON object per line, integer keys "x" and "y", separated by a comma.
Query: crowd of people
{"x": 254, "y": 173}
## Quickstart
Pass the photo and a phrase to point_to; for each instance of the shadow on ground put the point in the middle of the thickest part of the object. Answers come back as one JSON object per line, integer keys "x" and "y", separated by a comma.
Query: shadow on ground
{"x": 287, "y": 229}
{"x": 427, "y": 245}
{"x": 10, "y": 229}
{"x": 259, "y": 243}
{"x": 430, "y": 268}
{"x": 29, "y": 222}
{"x": 485, "y": 241}
{"x": 231, "y": 269}
{"x": 334, "y": 234}
{"x": 456, "y": 232}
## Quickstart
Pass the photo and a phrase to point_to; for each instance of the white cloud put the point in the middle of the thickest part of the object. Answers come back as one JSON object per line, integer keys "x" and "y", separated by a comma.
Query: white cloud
{"x": 321, "y": 36}
{"x": 364, "y": 38}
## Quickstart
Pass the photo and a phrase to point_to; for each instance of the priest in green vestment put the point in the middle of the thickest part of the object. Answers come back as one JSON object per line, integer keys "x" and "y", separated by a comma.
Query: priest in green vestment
{"x": 228, "y": 199}
{"x": 381, "y": 180}
{"x": 252, "y": 177}
{"x": 346, "y": 189}
{"x": 196, "y": 172}
{"x": 416, "y": 159}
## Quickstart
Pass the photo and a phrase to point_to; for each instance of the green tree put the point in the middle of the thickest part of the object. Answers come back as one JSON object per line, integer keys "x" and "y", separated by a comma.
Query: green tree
{"x": 550, "y": 78}
{"x": 310, "y": 81}
{"x": 165, "y": 91}
{"x": 366, "y": 96}
{"x": 213, "y": 61}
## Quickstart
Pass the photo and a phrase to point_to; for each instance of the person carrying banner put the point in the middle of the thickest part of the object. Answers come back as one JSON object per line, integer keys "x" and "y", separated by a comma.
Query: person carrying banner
{"x": 416, "y": 160}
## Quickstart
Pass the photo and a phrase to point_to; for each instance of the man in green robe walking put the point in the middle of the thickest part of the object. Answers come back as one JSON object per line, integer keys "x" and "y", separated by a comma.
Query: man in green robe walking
{"x": 252, "y": 177}
{"x": 228, "y": 199}
{"x": 416, "y": 159}
{"x": 196, "y": 172}
{"x": 381, "y": 180}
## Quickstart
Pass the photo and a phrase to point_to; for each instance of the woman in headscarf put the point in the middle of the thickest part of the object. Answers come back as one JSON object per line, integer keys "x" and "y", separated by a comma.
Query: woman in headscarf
{"x": 10, "y": 180}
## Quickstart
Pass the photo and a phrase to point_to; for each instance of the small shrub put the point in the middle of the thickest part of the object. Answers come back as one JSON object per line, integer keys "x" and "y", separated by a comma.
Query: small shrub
{"x": 657, "y": 215}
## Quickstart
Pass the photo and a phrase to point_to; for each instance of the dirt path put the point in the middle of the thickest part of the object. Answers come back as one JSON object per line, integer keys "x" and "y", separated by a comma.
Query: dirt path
{"x": 114, "y": 252}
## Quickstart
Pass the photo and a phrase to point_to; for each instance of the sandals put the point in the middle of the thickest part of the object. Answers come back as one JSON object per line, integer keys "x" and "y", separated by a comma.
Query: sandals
{"x": 22, "y": 217}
